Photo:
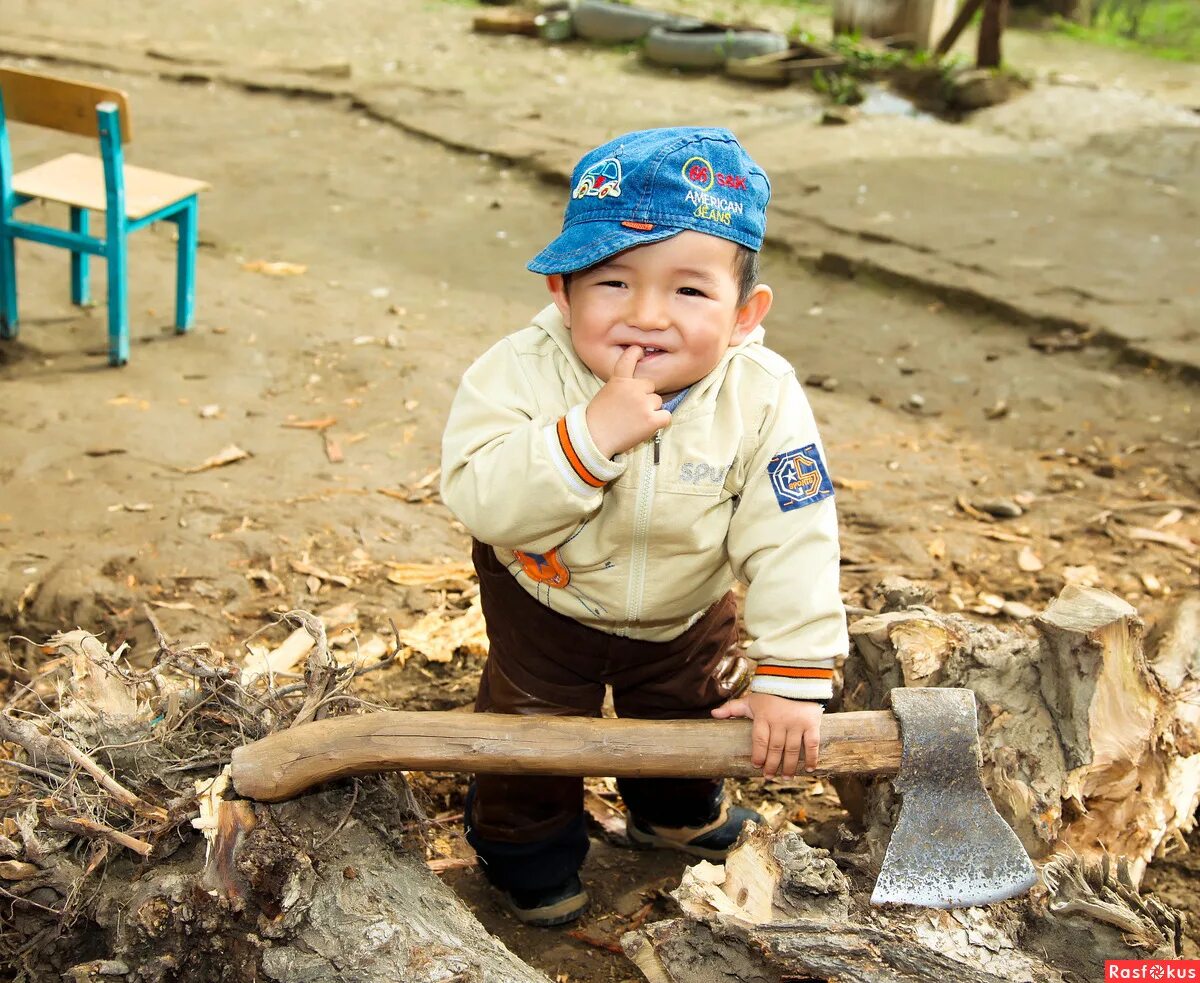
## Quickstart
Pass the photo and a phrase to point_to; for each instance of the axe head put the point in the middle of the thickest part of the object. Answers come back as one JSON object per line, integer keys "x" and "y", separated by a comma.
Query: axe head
{"x": 950, "y": 848}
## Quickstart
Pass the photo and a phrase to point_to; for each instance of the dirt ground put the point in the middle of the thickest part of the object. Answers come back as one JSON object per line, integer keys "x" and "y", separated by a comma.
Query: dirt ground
{"x": 408, "y": 169}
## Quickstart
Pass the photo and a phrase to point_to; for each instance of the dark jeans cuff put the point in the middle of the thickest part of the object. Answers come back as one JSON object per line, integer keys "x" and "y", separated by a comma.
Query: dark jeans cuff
{"x": 528, "y": 866}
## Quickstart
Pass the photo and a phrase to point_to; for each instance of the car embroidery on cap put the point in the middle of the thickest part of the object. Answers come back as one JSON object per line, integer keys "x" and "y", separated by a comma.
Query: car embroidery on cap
{"x": 799, "y": 478}
{"x": 601, "y": 180}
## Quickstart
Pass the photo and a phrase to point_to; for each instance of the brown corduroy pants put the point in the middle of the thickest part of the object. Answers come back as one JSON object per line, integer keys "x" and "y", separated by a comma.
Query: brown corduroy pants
{"x": 528, "y": 829}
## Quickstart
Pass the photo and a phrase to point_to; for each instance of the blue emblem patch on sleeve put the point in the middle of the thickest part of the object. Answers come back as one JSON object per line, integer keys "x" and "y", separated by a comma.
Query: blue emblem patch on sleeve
{"x": 799, "y": 478}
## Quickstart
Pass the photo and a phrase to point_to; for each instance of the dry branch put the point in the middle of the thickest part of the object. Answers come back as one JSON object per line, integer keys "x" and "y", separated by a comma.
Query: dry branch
{"x": 54, "y": 750}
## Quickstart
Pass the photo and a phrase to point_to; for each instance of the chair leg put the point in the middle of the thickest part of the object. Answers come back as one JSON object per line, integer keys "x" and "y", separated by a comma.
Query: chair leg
{"x": 118, "y": 302}
{"x": 80, "y": 293}
{"x": 185, "y": 266}
{"x": 8, "y": 287}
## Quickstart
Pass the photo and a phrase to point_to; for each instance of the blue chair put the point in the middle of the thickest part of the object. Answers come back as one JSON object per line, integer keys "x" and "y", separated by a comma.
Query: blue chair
{"x": 130, "y": 197}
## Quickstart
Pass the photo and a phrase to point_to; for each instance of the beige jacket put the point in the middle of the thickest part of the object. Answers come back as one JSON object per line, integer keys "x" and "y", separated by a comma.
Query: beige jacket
{"x": 643, "y": 544}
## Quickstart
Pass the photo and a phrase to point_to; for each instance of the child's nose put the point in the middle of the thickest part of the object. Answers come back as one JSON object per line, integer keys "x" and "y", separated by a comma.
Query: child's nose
{"x": 649, "y": 312}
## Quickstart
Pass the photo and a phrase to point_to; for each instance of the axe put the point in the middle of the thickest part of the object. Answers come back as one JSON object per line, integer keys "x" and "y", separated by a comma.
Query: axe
{"x": 949, "y": 849}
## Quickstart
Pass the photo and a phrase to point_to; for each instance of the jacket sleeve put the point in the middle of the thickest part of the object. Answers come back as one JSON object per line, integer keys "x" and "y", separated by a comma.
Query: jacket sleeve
{"x": 517, "y": 478}
{"x": 783, "y": 543}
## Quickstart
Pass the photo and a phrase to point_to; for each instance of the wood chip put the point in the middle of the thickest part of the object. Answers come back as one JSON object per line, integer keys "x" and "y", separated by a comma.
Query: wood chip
{"x": 973, "y": 512}
{"x": 274, "y": 268}
{"x": 1083, "y": 576}
{"x": 1174, "y": 540}
{"x": 174, "y": 605}
{"x": 333, "y": 450}
{"x": 229, "y": 455}
{"x": 443, "y": 864}
{"x": 1154, "y": 586}
{"x": 853, "y": 484}
{"x": 321, "y": 424}
{"x": 459, "y": 575}
{"x": 1169, "y": 519}
{"x": 1001, "y": 536}
{"x": 16, "y": 870}
{"x": 303, "y": 566}
{"x": 1029, "y": 561}
{"x": 439, "y": 634}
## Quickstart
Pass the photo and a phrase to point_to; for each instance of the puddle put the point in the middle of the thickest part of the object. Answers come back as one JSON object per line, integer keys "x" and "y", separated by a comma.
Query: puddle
{"x": 882, "y": 101}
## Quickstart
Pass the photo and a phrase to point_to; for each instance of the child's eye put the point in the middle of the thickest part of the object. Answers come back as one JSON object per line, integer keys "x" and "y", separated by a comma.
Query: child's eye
{"x": 692, "y": 292}
{"x": 612, "y": 283}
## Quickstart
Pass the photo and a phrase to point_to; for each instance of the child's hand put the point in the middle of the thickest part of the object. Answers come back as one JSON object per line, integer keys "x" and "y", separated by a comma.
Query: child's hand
{"x": 782, "y": 728}
{"x": 627, "y": 410}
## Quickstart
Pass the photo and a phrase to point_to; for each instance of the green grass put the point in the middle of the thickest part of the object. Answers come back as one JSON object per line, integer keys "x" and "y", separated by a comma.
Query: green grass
{"x": 1167, "y": 28}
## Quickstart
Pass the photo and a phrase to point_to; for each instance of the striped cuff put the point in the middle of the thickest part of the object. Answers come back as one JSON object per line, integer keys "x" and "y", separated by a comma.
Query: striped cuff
{"x": 793, "y": 682}
{"x": 579, "y": 461}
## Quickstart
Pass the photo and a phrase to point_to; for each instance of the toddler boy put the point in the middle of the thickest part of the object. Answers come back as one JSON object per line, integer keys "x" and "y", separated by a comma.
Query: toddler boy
{"x": 618, "y": 463}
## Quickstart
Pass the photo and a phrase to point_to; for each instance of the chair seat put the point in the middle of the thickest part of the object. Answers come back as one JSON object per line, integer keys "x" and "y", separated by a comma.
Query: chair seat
{"x": 76, "y": 179}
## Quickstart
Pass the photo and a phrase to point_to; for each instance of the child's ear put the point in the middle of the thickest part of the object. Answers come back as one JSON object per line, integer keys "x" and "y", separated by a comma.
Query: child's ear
{"x": 752, "y": 313}
{"x": 558, "y": 290}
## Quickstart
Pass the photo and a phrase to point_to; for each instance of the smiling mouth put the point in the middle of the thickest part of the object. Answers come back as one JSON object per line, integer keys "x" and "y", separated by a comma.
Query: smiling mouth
{"x": 648, "y": 351}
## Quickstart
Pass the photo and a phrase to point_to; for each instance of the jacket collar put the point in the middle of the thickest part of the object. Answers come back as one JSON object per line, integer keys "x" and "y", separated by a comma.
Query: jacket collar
{"x": 549, "y": 319}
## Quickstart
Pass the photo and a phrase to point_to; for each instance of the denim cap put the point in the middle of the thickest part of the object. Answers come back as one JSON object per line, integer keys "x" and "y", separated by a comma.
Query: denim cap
{"x": 653, "y": 184}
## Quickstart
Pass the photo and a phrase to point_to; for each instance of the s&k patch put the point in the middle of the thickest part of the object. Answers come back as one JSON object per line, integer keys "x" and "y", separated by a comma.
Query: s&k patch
{"x": 799, "y": 478}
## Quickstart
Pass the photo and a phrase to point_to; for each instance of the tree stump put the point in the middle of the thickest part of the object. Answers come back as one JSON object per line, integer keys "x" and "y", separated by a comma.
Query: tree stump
{"x": 1090, "y": 745}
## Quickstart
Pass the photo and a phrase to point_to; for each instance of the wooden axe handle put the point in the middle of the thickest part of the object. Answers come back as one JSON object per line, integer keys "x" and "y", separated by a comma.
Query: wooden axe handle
{"x": 287, "y": 763}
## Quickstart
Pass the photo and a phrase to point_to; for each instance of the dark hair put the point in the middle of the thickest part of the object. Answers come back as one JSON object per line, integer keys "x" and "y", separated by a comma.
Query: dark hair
{"x": 745, "y": 272}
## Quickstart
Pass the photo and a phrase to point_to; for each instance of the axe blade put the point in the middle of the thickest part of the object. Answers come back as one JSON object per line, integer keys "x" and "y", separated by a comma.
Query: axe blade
{"x": 950, "y": 848}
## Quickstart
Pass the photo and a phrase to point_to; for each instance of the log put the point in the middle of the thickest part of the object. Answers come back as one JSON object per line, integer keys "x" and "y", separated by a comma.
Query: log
{"x": 323, "y": 904}
{"x": 286, "y": 763}
{"x": 1089, "y": 745}
{"x": 781, "y": 910}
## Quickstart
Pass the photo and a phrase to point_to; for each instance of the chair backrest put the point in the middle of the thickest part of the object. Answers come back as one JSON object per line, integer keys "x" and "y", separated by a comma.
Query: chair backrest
{"x": 58, "y": 103}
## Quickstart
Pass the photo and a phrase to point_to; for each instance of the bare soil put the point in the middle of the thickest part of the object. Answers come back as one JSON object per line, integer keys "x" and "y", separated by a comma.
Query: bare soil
{"x": 409, "y": 230}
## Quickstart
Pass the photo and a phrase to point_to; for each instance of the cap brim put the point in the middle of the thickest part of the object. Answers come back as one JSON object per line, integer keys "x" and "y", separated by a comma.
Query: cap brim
{"x": 588, "y": 243}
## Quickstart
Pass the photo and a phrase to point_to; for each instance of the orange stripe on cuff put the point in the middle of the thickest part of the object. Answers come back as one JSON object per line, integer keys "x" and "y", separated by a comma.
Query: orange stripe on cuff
{"x": 564, "y": 441}
{"x": 794, "y": 673}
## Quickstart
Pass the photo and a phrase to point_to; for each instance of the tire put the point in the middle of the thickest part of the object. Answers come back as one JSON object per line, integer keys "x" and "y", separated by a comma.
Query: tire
{"x": 709, "y": 49}
{"x": 618, "y": 23}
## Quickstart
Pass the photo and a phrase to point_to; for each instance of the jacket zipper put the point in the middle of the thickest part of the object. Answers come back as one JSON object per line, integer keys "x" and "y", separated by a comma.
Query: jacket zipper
{"x": 657, "y": 444}
{"x": 641, "y": 530}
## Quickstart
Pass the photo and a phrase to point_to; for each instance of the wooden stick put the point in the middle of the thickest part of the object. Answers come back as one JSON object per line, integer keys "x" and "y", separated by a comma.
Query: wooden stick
{"x": 92, "y": 830}
{"x": 960, "y": 24}
{"x": 991, "y": 27}
{"x": 287, "y": 763}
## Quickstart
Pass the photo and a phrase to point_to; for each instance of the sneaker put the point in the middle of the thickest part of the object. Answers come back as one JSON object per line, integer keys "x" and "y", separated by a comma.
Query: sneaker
{"x": 549, "y": 906}
{"x": 711, "y": 841}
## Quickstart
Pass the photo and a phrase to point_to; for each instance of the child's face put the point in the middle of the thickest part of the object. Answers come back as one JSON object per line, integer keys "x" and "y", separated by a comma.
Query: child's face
{"x": 677, "y": 299}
